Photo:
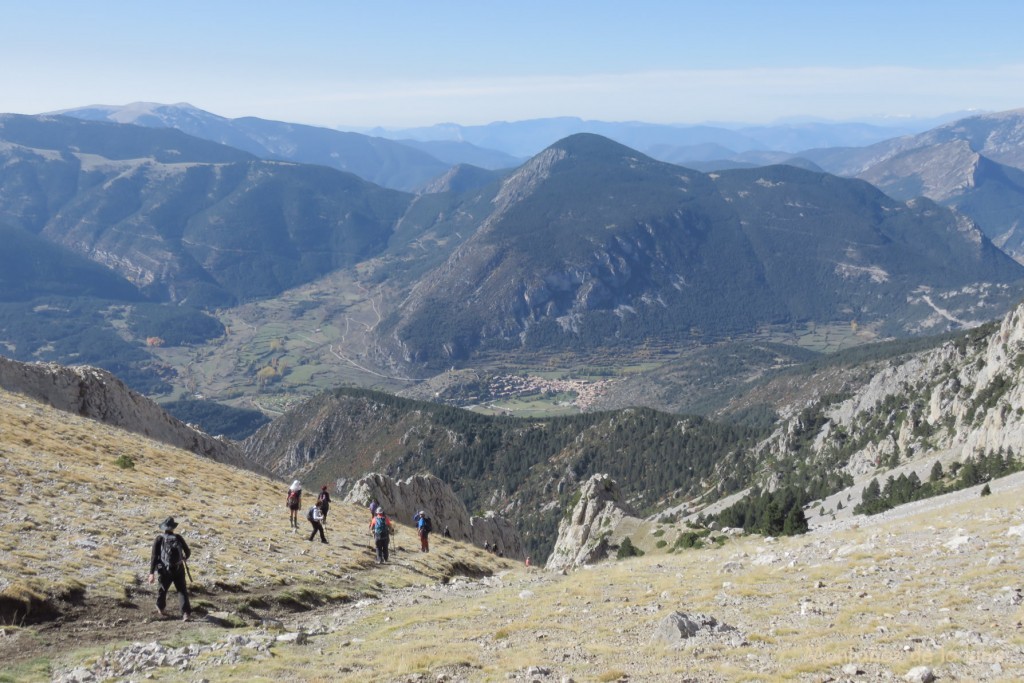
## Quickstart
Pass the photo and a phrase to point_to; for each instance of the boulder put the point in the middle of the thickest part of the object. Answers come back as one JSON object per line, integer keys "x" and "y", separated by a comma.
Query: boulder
{"x": 677, "y": 627}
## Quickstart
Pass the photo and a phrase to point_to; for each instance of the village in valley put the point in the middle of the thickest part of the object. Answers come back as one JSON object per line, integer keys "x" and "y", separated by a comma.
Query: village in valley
{"x": 501, "y": 390}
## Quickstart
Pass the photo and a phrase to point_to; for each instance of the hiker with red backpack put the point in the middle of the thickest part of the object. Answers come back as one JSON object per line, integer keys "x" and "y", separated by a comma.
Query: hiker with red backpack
{"x": 168, "y": 560}
{"x": 382, "y": 529}
{"x": 293, "y": 503}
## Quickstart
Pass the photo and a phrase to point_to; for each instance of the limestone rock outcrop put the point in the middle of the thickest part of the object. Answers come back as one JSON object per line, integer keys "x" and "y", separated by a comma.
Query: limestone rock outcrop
{"x": 953, "y": 402}
{"x": 98, "y": 395}
{"x": 583, "y": 536}
{"x": 403, "y": 499}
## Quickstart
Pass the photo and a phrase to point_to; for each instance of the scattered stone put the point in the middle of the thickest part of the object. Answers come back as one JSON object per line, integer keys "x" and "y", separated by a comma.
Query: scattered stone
{"x": 919, "y": 674}
{"x": 295, "y": 638}
{"x": 677, "y": 627}
{"x": 852, "y": 670}
{"x": 959, "y": 543}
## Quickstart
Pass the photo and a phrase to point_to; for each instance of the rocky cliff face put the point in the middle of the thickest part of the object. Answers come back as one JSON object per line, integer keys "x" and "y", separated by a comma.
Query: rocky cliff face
{"x": 583, "y": 537}
{"x": 99, "y": 395}
{"x": 953, "y": 402}
{"x": 403, "y": 499}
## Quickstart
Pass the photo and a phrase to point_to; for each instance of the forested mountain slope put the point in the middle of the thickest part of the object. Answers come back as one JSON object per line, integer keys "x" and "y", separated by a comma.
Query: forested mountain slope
{"x": 591, "y": 243}
{"x": 525, "y": 469}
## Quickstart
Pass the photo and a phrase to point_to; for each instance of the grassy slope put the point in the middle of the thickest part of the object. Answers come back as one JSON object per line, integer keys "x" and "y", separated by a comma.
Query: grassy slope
{"x": 76, "y": 532}
{"x": 886, "y": 595}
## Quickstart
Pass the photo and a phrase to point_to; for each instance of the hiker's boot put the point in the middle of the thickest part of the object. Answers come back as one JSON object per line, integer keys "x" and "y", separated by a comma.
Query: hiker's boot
{"x": 186, "y": 617}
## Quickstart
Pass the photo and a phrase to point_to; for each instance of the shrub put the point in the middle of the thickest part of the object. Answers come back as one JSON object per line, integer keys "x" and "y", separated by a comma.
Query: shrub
{"x": 627, "y": 549}
{"x": 125, "y": 462}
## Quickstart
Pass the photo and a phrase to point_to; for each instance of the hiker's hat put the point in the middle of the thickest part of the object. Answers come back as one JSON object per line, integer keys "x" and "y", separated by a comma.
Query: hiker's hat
{"x": 295, "y": 485}
{"x": 324, "y": 488}
{"x": 422, "y": 513}
{"x": 168, "y": 524}
{"x": 380, "y": 511}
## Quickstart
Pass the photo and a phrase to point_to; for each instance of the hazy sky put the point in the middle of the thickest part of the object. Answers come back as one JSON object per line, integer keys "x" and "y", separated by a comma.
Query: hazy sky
{"x": 395, "y": 64}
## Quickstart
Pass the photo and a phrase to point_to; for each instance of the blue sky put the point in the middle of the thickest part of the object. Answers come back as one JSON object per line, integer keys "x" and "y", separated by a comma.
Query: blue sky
{"x": 399, "y": 64}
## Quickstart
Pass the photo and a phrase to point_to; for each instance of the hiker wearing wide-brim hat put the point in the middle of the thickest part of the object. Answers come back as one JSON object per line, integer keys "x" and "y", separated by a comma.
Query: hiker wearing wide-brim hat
{"x": 168, "y": 560}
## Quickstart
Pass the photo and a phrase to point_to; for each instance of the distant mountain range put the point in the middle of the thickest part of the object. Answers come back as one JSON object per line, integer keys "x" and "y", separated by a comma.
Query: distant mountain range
{"x": 589, "y": 244}
{"x": 662, "y": 141}
{"x": 378, "y": 160}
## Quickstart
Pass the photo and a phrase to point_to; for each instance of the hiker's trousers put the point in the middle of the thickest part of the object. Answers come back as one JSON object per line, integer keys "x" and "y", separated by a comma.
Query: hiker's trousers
{"x": 177, "y": 578}
{"x": 382, "y": 549}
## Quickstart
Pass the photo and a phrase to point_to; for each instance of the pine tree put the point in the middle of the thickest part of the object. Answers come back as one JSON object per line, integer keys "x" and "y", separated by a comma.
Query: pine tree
{"x": 796, "y": 522}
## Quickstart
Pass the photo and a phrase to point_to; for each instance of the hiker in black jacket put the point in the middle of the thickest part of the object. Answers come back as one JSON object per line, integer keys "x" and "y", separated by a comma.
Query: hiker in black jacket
{"x": 167, "y": 559}
{"x": 324, "y": 499}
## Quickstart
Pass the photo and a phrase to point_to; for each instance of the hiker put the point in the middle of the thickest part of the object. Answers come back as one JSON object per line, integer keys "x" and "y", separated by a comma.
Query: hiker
{"x": 382, "y": 529}
{"x": 294, "y": 502}
{"x": 446, "y": 534}
{"x": 169, "y": 559}
{"x": 324, "y": 499}
{"x": 424, "y": 527}
{"x": 316, "y": 518}
{"x": 374, "y": 505}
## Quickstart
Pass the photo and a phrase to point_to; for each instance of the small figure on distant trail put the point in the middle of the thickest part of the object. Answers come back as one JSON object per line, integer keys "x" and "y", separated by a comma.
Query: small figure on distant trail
{"x": 294, "y": 502}
{"x": 169, "y": 560}
{"x": 446, "y": 534}
{"x": 487, "y": 546}
{"x": 325, "y": 503}
{"x": 424, "y": 526}
{"x": 373, "y": 507}
{"x": 316, "y": 518}
{"x": 381, "y": 528}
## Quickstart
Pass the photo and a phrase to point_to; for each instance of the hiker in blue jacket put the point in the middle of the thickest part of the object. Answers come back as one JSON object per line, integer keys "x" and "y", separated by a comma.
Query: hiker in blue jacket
{"x": 423, "y": 527}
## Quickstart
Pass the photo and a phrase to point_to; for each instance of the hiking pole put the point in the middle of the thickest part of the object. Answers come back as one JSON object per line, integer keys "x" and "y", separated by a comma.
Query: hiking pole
{"x": 187, "y": 572}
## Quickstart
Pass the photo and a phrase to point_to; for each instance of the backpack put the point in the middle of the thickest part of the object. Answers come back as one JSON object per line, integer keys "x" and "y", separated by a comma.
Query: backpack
{"x": 380, "y": 527}
{"x": 309, "y": 515}
{"x": 427, "y": 526}
{"x": 171, "y": 554}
